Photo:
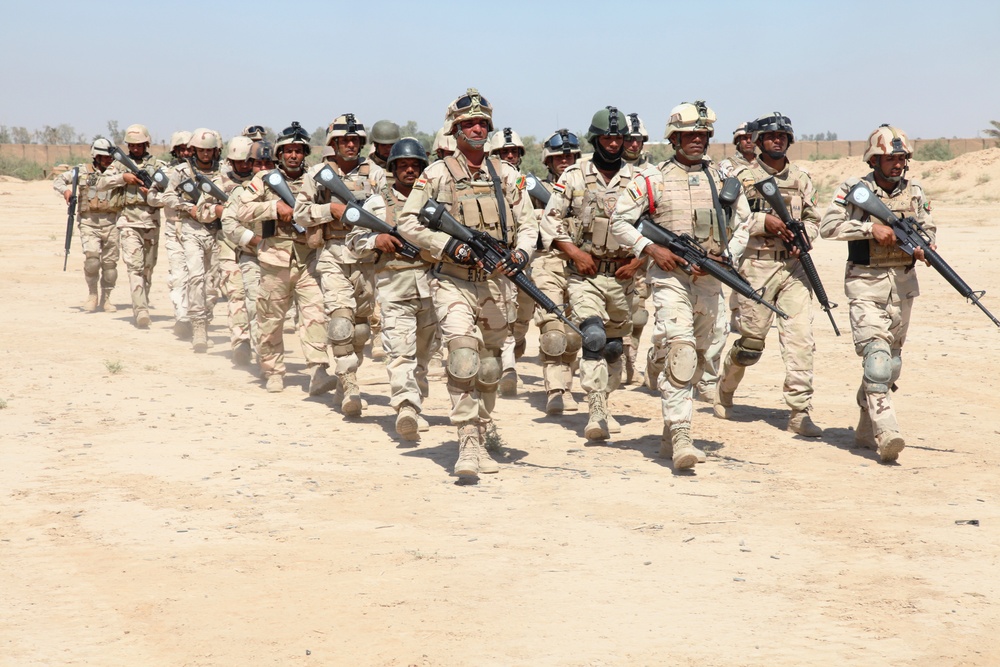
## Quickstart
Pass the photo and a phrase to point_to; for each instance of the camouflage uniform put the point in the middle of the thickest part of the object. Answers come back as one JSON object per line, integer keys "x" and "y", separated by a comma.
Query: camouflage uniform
{"x": 881, "y": 283}
{"x": 237, "y": 236}
{"x": 97, "y": 212}
{"x": 730, "y": 165}
{"x": 138, "y": 224}
{"x": 768, "y": 266}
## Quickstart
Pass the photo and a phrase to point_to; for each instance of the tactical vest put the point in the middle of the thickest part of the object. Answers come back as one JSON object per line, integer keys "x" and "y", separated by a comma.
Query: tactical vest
{"x": 359, "y": 185}
{"x": 271, "y": 228}
{"x": 132, "y": 195}
{"x": 870, "y": 253}
{"x": 790, "y": 194}
{"x": 92, "y": 201}
{"x": 684, "y": 204}
{"x": 593, "y": 233}
{"x": 474, "y": 202}
{"x": 393, "y": 262}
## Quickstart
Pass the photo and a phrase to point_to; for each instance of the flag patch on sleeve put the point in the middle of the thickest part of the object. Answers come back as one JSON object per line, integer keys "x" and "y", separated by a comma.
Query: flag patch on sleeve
{"x": 421, "y": 182}
{"x": 633, "y": 191}
{"x": 519, "y": 183}
{"x": 559, "y": 188}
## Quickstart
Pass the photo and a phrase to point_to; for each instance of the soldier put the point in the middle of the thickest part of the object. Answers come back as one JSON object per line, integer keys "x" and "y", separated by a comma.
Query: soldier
{"x": 770, "y": 267}
{"x": 444, "y": 144}
{"x": 881, "y": 282}
{"x": 557, "y": 347}
{"x": 246, "y": 239}
{"x": 634, "y": 143}
{"x": 138, "y": 222}
{"x": 474, "y": 309}
{"x": 197, "y": 237}
{"x": 576, "y": 222}
{"x": 506, "y": 145}
{"x": 286, "y": 263}
{"x": 746, "y": 153}
{"x": 239, "y": 172}
{"x": 679, "y": 194}
{"x": 404, "y": 293}
{"x": 385, "y": 133}
{"x": 255, "y": 132}
{"x": 171, "y": 222}
{"x": 97, "y": 212}
{"x": 347, "y": 278}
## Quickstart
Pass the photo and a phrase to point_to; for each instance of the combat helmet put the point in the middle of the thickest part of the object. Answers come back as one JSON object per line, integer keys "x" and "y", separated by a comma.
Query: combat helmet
{"x": 385, "y": 132}
{"x": 465, "y": 107}
{"x": 562, "y": 141}
{"x": 506, "y": 138}
{"x": 203, "y": 138}
{"x": 887, "y": 140}
{"x": 101, "y": 146}
{"x": 407, "y": 147}
{"x": 137, "y": 134}
{"x": 636, "y": 128}
{"x": 443, "y": 142}
{"x": 344, "y": 125}
{"x": 261, "y": 150}
{"x": 690, "y": 117}
{"x": 774, "y": 122}
{"x": 293, "y": 134}
{"x": 740, "y": 131}
{"x": 239, "y": 148}
{"x": 606, "y": 122}
{"x": 254, "y": 132}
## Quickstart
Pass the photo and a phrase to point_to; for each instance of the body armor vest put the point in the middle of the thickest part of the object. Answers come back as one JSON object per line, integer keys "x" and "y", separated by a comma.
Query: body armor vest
{"x": 92, "y": 201}
{"x": 790, "y": 194}
{"x": 684, "y": 204}
{"x": 474, "y": 202}
{"x": 357, "y": 182}
{"x": 393, "y": 262}
{"x": 271, "y": 228}
{"x": 870, "y": 253}
{"x": 132, "y": 195}
{"x": 592, "y": 233}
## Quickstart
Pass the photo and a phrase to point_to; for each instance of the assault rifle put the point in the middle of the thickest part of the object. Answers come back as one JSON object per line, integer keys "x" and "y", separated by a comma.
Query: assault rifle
{"x": 275, "y": 180}
{"x": 768, "y": 188}
{"x": 911, "y": 235}
{"x": 490, "y": 252}
{"x": 536, "y": 189}
{"x": 161, "y": 180}
{"x": 697, "y": 257}
{"x": 122, "y": 157}
{"x": 188, "y": 187}
{"x": 71, "y": 214}
{"x": 355, "y": 215}
{"x": 208, "y": 186}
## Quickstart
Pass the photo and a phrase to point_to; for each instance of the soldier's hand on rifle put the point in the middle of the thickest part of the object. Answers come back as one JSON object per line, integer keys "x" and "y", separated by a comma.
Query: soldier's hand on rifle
{"x": 284, "y": 212}
{"x": 884, "y": 236}
{"x": 664, "y": 259}
{"x": 584, "y": 262}
{"x": 218, "y": 211}
{"x": 337, "y": 210}
{"x": 627, "y": 271}
{"x": 193, "y": 212}
{"x": 131, "y": 179}
{"x": 68, "y": 195}
{"x": 459, "y": 252}
{"x": 255, "y": 241}
{"x": 774, "y": 225}
{"x": 919, "y": 254}
{"x": 387, "y": 243}
{"x": 514, "y": 262}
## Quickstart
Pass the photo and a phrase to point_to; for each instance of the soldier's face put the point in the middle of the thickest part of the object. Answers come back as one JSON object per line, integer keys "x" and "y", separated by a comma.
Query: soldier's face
{"x": 892, "y": 165}
{"x": 382, "y": 150}
{"x": 510, "y": 154}
{"x": 262, "y": 165}
{"x": 242, "y": 166}
{"x": 745, "y": 143}
{"x": 184, "y": 152}
{"x": 559, "y": 163}
{"x": 204, "y": 155}
{"x": 774, "y": 142}
{"x": 633, "y": 147}
{"x": 137, "y": 150}
{"x": 476, "y": 129}
{"x": 103, "y": 161}
{"x": 348, "y": 147}
{"x": 611, "y": 142}
{"x": 693, "y": 143}
{"x": 292, "y": 156}
{"x": 407, "y": 170}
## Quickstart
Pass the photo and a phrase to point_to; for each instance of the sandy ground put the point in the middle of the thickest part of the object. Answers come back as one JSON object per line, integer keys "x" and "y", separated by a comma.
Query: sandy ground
{"x": 173, "y": 513}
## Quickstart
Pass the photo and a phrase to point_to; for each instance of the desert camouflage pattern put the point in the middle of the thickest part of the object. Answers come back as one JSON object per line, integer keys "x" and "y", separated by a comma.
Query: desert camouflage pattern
{"x": 136, "y": 211}
{"x": 728, "y": 166}
{"x": 139, "y": 248}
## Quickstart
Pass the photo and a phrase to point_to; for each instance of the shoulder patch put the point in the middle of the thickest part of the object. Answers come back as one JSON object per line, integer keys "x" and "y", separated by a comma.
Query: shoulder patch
{"x": 841, "y": 199}
{"x": 558, "y": 188}
{"x": 252, "y": 187}
{"x": 421, "y": 182}
{"x": 927, "y": 205}
{"x": 519, "y": 183}
{"x": 633, "y": 191}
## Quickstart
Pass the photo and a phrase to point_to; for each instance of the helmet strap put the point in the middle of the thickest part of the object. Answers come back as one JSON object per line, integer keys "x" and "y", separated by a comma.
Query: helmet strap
{"x": 475, "y": 143}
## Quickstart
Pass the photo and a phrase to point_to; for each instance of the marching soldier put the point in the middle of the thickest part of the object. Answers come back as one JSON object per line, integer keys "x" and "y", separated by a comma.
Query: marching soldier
{"x": 97, "y": 212}
{"x": 634, "y": 143}
{"x": 881, "y": 282}
{"x": 170, "y": 220}
{"x": 474, "y": 309}
{"x": 444, "y": 144}
{"x": 385, "y": 133}
{"x": 746, "y": 152}
{"x": 769, "y": 265}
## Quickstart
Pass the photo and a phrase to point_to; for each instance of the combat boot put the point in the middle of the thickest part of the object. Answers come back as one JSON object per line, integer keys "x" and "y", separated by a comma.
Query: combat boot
{"x": 800, "y": 422}
{"x": 142, "y": 319}
{"x": 182, "y": 329}
{"x": 569, "y": 403}
{"x": 890, "y": 444}
{"x": 864, "y": 434}
{"x": 275, "y": 384}
{"x": 597, "y": 426}
{"x": 508, "y": 383}
{"x": 321, "y": 381}
{"x": 683, "y": 452}
{"x": 629, "y": 366}
{"x": 723, "y": 403}
{"x": 378, "y": 352}
{"x": 106, "y": 304}
{"x": 350, "y": 394}
{"x": 467, "y": 464}
{"x": 422, "y": 425}
{"x": 613, "y": 425}
{"x": 199, "y": 336}
{"x": 489, "y": 440}
{"x": 406, "y": 423}
{"x": 242, "y": 354}
{"x": 554, "y": 404}
{"x": 90, "y": 305}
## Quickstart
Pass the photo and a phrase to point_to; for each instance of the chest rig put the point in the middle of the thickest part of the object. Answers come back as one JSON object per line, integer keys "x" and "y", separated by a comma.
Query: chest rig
{"x": 359, "y": 185}
{"x": 788, "y": 187}
{"x": 684, "y": 204}
{"x": 132, "y": 195}
{"x": 393, "y": 262}
{"x": 870, "y": 253}
{"x": 474, "y": 201}
{"x": 92, "y": 201}
{"x": 596, "y": 204}
{"x": 271, "y": 228}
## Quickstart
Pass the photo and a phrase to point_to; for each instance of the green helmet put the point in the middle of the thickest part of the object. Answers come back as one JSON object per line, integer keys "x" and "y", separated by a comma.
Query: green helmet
{"x": 605, "y": 122}
{"x": 385, "y": 132}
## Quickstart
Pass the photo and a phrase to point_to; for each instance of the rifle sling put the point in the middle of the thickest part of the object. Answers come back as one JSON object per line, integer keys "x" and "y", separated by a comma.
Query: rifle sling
{"x": 500, "y": 201}
{"x": 719, "y": 213}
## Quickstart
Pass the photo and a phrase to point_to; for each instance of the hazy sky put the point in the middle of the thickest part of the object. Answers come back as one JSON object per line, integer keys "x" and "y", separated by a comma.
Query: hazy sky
{"x": 929, "y": 67}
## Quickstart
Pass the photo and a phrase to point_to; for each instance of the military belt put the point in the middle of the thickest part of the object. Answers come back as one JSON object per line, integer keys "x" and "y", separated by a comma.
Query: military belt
{"x": 774, "y": 255}
{"x": 462, "y": 272}
{"x": 605, "y": 267}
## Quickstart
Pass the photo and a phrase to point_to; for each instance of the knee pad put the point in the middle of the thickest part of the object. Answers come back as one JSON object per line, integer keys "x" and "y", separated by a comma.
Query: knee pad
{"x": 613, "y": 349}
{"x": 747, "y": 351}
{"x": 553, "y": 341}
{"x": 488, "y": 377}
{"x": 362, "y": 332}
{"x": 682, "y": 362}
{"x": 463, "y": 362}
{"x": 877, "y": 366}
{"x": 109, "y": 274}
{"x": 640, "y": 318}
{"x": 91, "y": 266}
{"x": 573, "y": 343}
{"x": 897, "y": 368}
{"x": 594, "y": 337}
{"x": 340, "y": 331}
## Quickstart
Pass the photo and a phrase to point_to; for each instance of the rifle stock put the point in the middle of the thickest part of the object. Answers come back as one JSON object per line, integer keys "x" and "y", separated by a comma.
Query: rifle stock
{"x": 275, "y": 180}
{"x": 536, "y": 189}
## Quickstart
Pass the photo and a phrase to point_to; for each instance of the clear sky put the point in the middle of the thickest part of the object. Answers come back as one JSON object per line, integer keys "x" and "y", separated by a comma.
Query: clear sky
{"x": 929, "y": 67}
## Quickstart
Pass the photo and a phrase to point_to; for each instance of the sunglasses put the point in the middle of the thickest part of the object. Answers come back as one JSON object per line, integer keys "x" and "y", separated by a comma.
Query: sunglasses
{"x": 563, "y": 140}
{"x": 466, "y": 101}
{"x": 295, "y": 130}
{"x": 254, "y": 129}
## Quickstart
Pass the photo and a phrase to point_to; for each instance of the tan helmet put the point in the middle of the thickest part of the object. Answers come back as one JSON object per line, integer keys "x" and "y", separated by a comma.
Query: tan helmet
{"x": 219, "y": 143}
{"x": 740, "y": 131}
{"x": 443, "y": 142}
{"x": 101, "y": 147}
{"x": 239, "y": 148}
{"x": 887, "y": 140}
{"x": 385, "y": 132}
{"x": 506, "y": 138}
{"x": 562, "y": 141}
{"x": 179, "y": 138}
{"x": 255, "y": 132}
{"x": 137, "y": 134}
{"x": 293, "y": 134}
{"x": 344, "y": 125}
{"x": 636, "y": 127}
{"x": 203, "y": 138}
{"x": 690, "y": 117}
{"x": 465, "y": 107}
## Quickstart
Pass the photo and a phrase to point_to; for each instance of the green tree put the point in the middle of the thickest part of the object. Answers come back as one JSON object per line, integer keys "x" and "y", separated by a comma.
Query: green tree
{"x": 114, "y": 134}
{"x": 993, "y": 132}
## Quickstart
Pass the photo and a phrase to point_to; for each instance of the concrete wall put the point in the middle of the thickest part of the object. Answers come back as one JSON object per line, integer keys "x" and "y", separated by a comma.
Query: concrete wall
{"x": 806, "y": 150}
{"x": 47, "y": 154}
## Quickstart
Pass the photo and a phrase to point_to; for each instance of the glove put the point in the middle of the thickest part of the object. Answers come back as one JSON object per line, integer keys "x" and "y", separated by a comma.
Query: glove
{"x": 515, "y": 261}
{"x": 459, "y": 252}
